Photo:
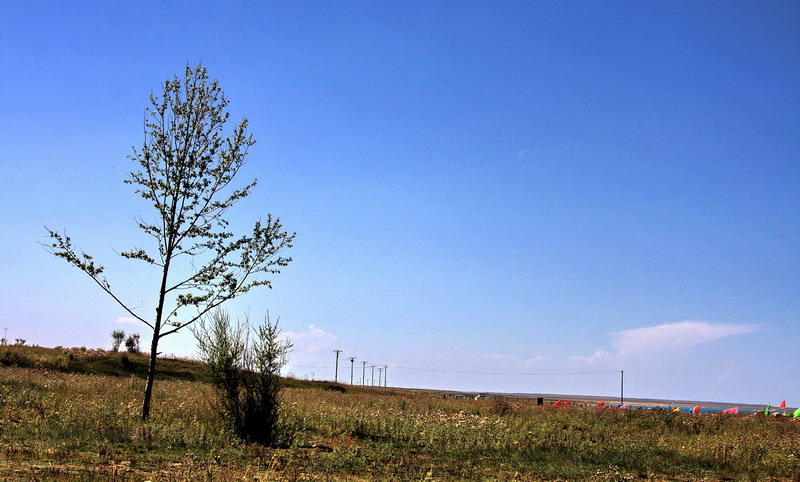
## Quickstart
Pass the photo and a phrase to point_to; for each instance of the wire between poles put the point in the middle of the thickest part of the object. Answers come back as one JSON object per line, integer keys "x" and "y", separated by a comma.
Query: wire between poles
{"x": 477, "y": 373}
{"x": 503, "y": 373}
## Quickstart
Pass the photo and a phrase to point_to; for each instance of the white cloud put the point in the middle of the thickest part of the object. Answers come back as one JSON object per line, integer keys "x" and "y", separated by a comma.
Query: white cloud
{"x": 534, "y": 360}
{"x": 123, "y": 320}
{"x": 670, "y": 337}
{"x": 313, "y": 347}
{"x": 661, "y": 342}
{"x": 597, "y": 356}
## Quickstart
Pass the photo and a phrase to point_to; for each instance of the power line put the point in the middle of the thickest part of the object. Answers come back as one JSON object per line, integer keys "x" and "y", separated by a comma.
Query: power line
{"x": 363, "y": 372}
{"x": 352, "y": 359}
{"x": 336, "y": 373}
{"x": 464, "y": 372}
{"x": 501, "y": 373}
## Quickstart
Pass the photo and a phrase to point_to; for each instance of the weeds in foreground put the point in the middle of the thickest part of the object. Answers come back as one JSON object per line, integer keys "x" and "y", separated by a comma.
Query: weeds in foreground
{"x": 72, "y": 426}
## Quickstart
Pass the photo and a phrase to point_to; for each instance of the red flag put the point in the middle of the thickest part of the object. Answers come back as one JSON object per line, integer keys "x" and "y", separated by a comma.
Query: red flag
{"x": 558, "y": 403}
{"x": 601, "y": 404}
{"x": 783, "y": 404}
{"x": 567, "y": 402}
{"x": 696, "y": 409}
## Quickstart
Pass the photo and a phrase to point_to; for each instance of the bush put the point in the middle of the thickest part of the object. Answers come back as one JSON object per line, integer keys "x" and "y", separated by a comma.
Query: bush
{"x": 132, "y": 343}
{"x": 500, "y": 406}
{"x": 10, "y": 358}
{"x": 245, "y": 375}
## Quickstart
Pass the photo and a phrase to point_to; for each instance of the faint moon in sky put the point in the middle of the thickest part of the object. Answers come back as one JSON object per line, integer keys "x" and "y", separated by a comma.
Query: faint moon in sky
{"x": 523, "y": 154}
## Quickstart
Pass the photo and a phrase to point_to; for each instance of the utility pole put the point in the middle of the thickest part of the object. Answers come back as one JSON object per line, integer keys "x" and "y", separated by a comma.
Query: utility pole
{"x": 622, "y": 386}
{"x": 352, "y": 359}
{"x": 363, "y": 372}
{"x": 385, "y": 375}
{"x": 380, "y": 370}
{"x": 336, "y": 375}
{"x": 372, "y": 378}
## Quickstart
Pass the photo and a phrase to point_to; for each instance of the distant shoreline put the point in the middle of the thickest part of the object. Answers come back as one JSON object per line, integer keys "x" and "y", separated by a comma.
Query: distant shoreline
{"x": 549, "y": 398}
{"x": 637, "y": 401}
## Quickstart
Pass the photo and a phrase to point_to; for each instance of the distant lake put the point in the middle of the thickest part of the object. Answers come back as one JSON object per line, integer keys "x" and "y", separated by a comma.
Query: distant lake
{"x": 689, "y": 409}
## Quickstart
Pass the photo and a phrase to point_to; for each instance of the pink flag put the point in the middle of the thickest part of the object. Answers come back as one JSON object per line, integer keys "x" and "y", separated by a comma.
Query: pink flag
{"x": 731, "y": 410}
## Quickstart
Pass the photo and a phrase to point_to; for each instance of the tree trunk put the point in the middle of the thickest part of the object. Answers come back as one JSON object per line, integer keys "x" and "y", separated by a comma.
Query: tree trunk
{"x": 162, "y": 293}
{"x": 151, "y": 376}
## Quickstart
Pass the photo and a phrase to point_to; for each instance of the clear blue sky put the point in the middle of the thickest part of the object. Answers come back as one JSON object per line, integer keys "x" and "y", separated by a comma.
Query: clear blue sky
{"x": 505, "y": 187}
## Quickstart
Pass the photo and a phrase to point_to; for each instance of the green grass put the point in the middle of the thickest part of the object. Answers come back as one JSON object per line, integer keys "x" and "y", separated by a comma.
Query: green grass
{"x": 100, "y": 362}
{"x": 83, "y": 425}
{"x": 121, "y": 364}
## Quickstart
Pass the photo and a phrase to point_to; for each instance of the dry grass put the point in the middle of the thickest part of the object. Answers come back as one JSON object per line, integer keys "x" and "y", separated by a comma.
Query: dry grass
{"x": 71, "y": 426}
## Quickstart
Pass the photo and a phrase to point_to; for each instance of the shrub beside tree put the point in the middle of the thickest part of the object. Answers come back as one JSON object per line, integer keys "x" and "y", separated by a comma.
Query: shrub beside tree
{"x": 245, "y": 364}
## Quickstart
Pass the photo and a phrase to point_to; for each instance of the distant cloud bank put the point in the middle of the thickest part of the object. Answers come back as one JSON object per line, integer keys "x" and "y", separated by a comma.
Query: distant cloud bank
{"x": 682, "y": 335}
{"x": 662, "y": 341}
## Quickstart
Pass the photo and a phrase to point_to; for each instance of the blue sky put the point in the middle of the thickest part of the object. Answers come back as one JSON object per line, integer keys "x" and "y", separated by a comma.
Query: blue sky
{"x": 516, "y": 188}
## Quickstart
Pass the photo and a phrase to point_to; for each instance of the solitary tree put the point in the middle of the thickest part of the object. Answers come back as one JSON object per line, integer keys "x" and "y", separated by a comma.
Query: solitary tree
{"x": 186, "y": 169}
{"x": 117, "y": 336}
{"x": 132, "y": 343}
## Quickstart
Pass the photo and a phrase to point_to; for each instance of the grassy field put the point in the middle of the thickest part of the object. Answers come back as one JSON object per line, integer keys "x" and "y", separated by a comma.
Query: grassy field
{"x": 62, "y": 418}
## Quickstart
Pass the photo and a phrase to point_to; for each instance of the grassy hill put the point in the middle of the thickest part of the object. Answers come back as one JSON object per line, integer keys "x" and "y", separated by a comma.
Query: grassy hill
{"x": 73, "y": 414}
{"x": 99, "y": 362}
{"x": 120, "y": 364}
